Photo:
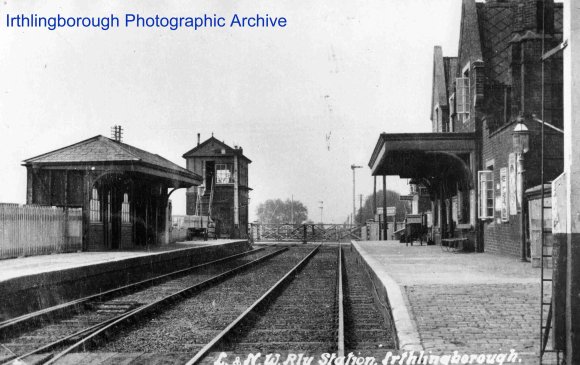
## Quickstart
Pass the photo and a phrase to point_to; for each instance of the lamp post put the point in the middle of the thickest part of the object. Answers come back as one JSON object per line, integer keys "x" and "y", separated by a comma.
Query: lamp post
{"x": 521, "y": 142}
{"x": 321, "y": 208}
{"x": 353, "y": 167}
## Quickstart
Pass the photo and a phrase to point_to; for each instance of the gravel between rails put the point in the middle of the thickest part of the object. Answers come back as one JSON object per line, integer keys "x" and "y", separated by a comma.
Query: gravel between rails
{"x": 98, "y": 312}
{"x": 302, "y": 318}
{"x": 367, "y": 330}
{"x": 190, "y": 324}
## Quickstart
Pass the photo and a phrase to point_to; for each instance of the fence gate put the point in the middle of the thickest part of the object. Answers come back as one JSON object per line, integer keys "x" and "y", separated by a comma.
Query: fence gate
{"x": 286, "y": 232}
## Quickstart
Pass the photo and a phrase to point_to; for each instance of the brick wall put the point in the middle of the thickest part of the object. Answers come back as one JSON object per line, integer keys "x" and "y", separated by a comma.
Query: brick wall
{"x": 504, "y": 237}
{"x": 500, "y": 237}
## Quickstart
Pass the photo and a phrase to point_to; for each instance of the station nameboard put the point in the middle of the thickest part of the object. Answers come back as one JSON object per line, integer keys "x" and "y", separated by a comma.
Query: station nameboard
{"x": 390, "y": 211}
{"x": 406, "y": 197}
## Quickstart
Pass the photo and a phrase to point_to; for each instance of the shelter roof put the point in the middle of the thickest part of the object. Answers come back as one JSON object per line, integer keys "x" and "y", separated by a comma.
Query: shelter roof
{"x": 103, "y": 150}
{"x": 214, "y": 147}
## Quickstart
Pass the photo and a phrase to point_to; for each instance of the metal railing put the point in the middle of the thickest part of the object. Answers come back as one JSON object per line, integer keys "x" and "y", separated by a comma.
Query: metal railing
{"x": 287, "y": 232}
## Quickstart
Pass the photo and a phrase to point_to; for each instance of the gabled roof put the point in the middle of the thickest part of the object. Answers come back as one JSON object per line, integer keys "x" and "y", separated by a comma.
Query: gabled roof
{"x": 439, "y": 92}
{"x": 202, "y": 150}
{"x": 469, "y": 37}
{"x": 100, "y": 149}
{"x": 486, "y": 31}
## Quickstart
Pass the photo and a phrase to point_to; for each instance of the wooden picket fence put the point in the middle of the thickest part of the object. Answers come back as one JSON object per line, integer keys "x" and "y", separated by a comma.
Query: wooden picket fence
{"x": 27, "y": 230}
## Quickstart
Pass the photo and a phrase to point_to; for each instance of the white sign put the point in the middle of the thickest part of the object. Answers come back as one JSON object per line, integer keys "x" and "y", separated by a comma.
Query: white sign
{"x": 503, "y": 176}
{"x": 513, "y": 190}
{"x": 390, "y": 211}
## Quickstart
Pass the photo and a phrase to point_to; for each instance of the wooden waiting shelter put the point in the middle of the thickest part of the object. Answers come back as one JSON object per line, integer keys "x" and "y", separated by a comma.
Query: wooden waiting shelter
{"x": 122, "y": 190}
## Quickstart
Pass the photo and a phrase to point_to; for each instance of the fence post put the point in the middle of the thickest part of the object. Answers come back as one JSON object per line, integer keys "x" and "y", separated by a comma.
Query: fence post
{"x": 305, "y": 233}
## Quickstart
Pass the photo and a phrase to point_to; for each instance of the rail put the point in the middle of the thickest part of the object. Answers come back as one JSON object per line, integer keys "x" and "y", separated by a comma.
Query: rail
{"x": 203, "y": 352}
{"x": 54, "y": 311}
{"x": 340, "y": 302}
{"x": 94, "y": 332}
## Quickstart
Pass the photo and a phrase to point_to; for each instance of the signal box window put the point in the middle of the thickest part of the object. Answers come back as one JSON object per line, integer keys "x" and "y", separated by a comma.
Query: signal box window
{"x": 224, "y": 174}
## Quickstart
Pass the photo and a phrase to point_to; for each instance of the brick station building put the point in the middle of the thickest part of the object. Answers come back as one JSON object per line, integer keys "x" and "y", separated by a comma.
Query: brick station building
{"x": 467, "y": 163}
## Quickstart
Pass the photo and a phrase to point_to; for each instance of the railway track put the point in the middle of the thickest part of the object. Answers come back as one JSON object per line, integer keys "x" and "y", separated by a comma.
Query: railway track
{"x": 65, "y": 323}
{"x": 305, "y": 299}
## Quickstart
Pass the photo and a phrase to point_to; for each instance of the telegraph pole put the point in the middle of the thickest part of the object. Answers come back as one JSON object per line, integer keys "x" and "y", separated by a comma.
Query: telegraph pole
{"x": 321, "y": 207}
{"x": 353, "y": 167}
{"x": 361, "y": 209}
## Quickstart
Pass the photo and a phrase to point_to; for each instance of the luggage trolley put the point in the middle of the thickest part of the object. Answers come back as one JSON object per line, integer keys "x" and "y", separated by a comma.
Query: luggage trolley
{"x": 415, "y": 228}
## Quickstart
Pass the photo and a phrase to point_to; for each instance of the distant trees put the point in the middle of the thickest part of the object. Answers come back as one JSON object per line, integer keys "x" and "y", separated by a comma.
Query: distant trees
{"x": 279, "y": 211}
{"x": 401, "y": 207}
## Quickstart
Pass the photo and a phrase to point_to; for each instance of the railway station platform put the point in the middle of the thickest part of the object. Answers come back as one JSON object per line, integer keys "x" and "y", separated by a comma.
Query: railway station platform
{"x": 36, "y": 282}
{"x": 472, "y": 303}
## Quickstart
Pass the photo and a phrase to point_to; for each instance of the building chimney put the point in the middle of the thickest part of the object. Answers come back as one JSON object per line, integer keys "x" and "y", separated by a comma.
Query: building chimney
{"x": 198, "y": 138}
{"x": 535, "y": 15}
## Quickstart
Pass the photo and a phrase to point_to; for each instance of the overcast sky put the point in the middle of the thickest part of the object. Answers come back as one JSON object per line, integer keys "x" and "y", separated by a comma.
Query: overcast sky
{"x": 305, "y": 101}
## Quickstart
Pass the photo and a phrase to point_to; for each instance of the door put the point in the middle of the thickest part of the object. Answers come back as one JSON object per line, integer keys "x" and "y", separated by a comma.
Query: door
{"x": 209, "y": 174}
{"x": 112, "y": 219}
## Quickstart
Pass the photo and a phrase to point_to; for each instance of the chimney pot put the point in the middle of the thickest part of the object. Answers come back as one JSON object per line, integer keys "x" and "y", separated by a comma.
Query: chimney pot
{"x": 198, "y": 139}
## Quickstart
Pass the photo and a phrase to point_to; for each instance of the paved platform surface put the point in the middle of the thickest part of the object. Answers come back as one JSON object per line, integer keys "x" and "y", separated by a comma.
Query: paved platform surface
{"x": 33, "y": 265}
{"x": 472, "y": 303}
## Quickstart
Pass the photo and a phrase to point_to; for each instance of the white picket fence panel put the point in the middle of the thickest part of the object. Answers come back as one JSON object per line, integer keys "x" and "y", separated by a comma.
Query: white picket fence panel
{"x": 27, "y": 230}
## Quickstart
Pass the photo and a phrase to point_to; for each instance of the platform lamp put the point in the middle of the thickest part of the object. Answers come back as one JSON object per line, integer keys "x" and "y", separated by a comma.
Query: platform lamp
{"x": 521, "y": 142}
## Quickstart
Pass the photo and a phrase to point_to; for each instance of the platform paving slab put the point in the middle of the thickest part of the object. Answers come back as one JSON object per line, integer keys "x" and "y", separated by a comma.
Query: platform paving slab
{"x": 472, "y": 303}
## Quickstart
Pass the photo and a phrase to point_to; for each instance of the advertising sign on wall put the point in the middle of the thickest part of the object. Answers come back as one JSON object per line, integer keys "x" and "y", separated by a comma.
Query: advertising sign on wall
{"x": 513, "y": 191}
{"x": 503, "y": 176}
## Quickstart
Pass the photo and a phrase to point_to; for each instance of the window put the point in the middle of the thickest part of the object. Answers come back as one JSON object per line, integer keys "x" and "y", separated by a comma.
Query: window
{"x": 462, "y": 100}
{"x": 125, "y": 209}
{"x": 486, "y": 198}
{"x": 224, "y": 174}
{"x": 95, "y": 207}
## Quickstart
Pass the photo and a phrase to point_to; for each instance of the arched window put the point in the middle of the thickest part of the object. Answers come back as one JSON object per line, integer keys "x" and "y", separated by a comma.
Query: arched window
{"x": 125, "y": 209}
{"x": 95, "y": 207}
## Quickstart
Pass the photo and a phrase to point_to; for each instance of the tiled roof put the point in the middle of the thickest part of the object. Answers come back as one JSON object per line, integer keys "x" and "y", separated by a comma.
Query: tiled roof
{"x": 496, "y": 26}
{"x": 495, "y": 21}
{"x": 200, "y": 149}
{"x": 102, "y": 149}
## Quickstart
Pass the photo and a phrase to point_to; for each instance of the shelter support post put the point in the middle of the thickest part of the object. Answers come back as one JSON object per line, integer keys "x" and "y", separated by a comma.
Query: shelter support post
{"x": 385, "y": 224}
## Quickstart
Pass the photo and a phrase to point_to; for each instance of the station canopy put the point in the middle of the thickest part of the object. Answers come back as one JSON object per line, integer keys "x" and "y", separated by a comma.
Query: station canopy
{"x": 422, "y": 155}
